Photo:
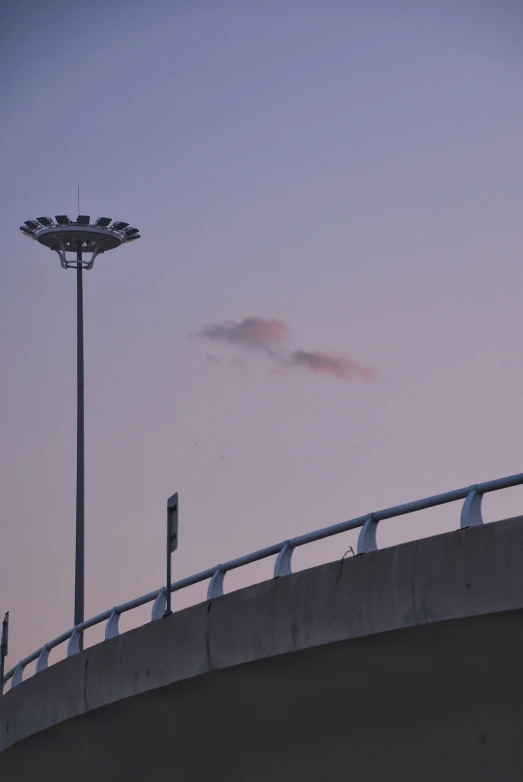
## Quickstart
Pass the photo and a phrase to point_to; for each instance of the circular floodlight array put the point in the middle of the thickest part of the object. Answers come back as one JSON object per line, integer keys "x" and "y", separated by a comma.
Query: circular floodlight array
{"x": 65, "y": 235}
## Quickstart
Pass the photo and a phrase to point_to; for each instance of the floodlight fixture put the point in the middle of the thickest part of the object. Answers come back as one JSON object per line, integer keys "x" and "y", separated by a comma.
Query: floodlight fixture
{"x": 79, "y": 236}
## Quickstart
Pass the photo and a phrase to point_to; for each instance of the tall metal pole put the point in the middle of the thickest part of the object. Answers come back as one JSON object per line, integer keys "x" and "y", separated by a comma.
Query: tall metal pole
{"x": 80, "y": 507}
{"x": 65, "y": 236}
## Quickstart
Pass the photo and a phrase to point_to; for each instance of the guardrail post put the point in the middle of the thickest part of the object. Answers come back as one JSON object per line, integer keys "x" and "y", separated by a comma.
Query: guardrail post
{"x": 17, "y": 675}
{"x": 367, "y": 537}
{"x": 111, "y": 628}
{"x": 75, "y": 643}
{"x": 471, "y": 510}
{"x": 215, "y": 588}
{"x": 43, "y": 660}
{"x": 282, "y": 566}
{"x": 159, "y": 606}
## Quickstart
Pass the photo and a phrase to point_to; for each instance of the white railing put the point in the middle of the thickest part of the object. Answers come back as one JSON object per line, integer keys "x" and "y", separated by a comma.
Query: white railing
{"x": 470, "y": 516}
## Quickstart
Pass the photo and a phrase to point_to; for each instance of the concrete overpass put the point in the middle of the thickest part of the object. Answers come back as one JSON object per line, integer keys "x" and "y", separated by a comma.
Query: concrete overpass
{"x": 404, "y": 664}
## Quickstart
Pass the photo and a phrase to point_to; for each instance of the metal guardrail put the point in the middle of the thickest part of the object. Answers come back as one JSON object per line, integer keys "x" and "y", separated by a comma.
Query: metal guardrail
{"x": 470, "y": 516}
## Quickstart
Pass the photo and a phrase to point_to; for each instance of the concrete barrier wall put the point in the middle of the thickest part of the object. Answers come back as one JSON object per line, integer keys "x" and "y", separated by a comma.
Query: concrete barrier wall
{"x": 467, "y": 573}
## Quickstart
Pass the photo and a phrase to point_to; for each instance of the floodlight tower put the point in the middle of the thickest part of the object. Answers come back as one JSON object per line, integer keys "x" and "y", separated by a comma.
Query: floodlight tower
{"x": 79, "y": 236}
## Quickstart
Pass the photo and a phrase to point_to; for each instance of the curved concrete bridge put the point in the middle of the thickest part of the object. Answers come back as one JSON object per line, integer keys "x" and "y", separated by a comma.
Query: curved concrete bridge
{"x": 404, "y": 664}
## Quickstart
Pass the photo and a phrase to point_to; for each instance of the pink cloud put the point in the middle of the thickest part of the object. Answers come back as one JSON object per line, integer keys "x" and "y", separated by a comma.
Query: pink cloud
{"x": 252, "y": 332}
{"x": 270, "y": 337}
{"x": 334, "y": 364}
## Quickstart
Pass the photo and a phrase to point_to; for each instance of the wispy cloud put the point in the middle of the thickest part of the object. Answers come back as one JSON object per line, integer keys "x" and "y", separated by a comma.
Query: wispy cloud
{"x": 270, "y": 336}
{"x": 254, "y": 333}
{"x": 334, "y": 364}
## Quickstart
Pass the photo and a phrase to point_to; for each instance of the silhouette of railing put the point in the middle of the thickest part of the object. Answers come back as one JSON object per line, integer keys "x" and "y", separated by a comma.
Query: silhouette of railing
{"x": 470, "y": 516}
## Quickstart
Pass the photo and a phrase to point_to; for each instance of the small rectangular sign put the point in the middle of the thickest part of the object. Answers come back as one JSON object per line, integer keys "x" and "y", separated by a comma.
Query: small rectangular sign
{"x": 172, "y": 522}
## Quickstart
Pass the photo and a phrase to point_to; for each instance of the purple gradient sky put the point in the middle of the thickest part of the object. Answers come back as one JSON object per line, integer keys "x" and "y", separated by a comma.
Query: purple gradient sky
{"x": 353, "y": 169}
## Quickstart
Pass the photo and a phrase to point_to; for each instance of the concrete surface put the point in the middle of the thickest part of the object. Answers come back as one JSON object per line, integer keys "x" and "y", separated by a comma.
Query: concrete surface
{"x": 405, "y": 663}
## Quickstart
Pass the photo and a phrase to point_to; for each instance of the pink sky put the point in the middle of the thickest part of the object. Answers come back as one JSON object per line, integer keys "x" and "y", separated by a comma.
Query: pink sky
{"x": 350, "y": 173}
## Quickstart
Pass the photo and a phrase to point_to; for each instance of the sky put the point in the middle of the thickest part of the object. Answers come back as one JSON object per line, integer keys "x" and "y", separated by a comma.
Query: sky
{"x": 322, "y": 317}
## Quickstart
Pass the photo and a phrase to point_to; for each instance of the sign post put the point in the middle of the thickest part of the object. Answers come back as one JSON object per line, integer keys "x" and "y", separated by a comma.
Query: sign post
{"x": 3, "y": 649}
{"x": 172, "y": 545}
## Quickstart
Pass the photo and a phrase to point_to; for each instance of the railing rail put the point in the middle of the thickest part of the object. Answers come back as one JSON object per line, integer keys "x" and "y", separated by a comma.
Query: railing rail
{"x": 470, "y": 516}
